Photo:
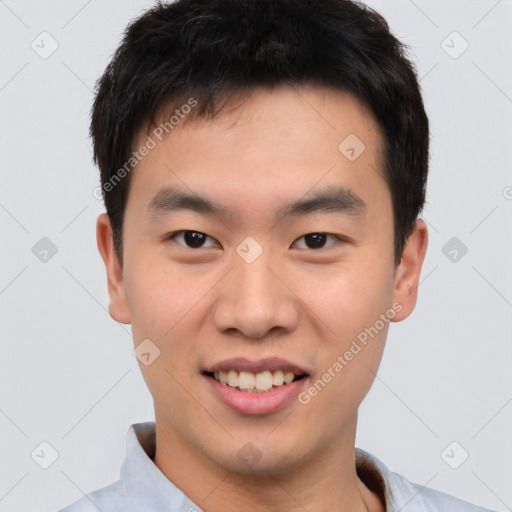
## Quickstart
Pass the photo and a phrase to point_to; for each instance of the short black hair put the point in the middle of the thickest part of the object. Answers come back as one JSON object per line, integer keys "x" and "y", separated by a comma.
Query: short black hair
{"x": 212, "y": 50}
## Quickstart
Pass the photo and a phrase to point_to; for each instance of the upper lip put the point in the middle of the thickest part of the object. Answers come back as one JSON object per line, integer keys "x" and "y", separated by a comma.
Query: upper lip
{"x": 261, "y": 365}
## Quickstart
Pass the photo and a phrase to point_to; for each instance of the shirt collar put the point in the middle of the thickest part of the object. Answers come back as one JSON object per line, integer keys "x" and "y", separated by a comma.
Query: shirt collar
{"x": 147, "y": 488}
{"x": 397, "y": 492}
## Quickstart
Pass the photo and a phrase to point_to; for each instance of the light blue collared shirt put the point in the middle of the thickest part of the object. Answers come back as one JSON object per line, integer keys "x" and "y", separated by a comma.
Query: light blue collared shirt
{"x": 142, "y": 487}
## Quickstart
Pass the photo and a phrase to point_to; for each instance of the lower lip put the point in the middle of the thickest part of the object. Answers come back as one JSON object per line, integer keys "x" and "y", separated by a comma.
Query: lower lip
{"x": 258, "y": 402}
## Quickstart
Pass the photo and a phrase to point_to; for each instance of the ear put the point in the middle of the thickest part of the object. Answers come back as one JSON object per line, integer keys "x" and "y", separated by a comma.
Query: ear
{"x": 118, "y": 307}
{"x": 407, "y": 274}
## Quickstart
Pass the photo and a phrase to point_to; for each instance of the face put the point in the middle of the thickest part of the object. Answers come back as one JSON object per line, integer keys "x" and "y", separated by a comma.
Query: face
{"x": 284, "y": 264}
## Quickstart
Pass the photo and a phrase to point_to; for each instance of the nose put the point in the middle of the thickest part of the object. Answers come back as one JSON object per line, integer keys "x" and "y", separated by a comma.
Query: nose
{"x": 255, "y": 300}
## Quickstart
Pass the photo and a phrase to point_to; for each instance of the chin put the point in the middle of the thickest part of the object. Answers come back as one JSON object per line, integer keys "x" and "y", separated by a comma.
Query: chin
{"x": 262, "y": 456}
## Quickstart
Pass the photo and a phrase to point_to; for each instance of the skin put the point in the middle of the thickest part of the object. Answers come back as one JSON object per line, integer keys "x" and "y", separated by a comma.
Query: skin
{"x": 203, "y": 305}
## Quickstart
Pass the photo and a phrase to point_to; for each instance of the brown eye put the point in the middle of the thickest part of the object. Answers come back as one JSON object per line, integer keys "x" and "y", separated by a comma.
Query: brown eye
{"x": 191, "y": 239}
{"x": 316, "y": 240}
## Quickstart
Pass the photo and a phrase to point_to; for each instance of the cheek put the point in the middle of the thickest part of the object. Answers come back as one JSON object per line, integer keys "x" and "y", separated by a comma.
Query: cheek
{"x": 158, "y": 298}
{"x": 167, "y": 304}
{"x": 348, "y": 298}
{"x": 346, "y": 374}
{"x": 164, "y": 306}
{"x": 351, "y": 303}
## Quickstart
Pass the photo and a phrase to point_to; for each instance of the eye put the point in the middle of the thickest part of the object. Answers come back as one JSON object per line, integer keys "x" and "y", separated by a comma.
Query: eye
{"x": 316, "y": 240}
{"x": 191, "y": 239}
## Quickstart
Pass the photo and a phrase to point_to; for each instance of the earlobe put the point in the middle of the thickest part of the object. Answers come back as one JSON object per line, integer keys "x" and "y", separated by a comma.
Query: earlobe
{"x": 118, "y": 307}
{"x": 408, "y": 272}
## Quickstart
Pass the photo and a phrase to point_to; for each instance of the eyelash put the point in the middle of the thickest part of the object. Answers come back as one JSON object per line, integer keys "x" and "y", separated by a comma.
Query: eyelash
{"x": 174, "y": 235}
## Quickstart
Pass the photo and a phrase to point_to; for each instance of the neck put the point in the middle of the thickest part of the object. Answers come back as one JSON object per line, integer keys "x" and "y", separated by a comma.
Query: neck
{"x": 326, "y": 482}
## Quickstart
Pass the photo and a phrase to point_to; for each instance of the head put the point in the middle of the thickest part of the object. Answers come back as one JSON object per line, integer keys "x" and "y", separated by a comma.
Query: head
{"x": 263, "y": 166}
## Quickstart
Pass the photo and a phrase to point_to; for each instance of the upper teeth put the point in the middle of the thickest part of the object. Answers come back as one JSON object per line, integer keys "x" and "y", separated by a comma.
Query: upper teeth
{"x": 261, "y": 381}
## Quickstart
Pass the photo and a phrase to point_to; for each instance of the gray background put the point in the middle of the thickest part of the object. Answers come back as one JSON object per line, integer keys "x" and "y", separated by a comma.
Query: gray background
{"x": 67, "y": 371}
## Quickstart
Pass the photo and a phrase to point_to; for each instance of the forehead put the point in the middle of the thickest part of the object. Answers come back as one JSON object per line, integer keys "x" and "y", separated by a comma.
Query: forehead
{"x": 269, "y": 145}
{"x": 282, "y": 107}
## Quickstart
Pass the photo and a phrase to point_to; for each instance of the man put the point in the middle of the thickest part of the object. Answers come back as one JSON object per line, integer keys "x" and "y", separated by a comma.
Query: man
{"x": 263, "y": 165}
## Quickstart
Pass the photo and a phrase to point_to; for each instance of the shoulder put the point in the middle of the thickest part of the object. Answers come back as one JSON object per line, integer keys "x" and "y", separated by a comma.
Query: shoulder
{"x": 402, "y": 495}
{"x": 427, "y": 499}
{"x": 107, "y": 499}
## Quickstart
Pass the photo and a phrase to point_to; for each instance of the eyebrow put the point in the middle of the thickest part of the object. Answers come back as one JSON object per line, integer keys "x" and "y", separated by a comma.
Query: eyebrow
{"x": 327, "y": 200}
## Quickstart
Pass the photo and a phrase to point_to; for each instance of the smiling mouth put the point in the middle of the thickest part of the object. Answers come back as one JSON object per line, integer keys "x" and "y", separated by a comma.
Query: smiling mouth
{"x": 255, "y": 382}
